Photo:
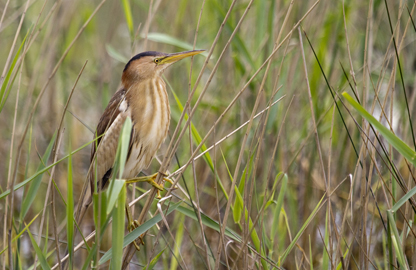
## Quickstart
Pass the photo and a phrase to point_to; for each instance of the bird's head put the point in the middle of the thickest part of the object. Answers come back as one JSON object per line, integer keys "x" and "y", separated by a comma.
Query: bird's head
{"x": 147, "y": 65}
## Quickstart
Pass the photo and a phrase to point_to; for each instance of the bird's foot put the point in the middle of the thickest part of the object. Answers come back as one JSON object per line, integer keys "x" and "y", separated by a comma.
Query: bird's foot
{"x": 131, "y": 226}
{"x": 151, "y": 180}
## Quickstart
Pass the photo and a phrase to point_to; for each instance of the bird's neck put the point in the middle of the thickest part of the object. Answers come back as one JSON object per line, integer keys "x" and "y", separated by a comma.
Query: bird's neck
{"x": 148, "y": 99}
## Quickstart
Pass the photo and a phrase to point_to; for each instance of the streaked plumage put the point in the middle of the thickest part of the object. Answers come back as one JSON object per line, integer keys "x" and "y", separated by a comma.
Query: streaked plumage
{"x": 150, "y": 116}
{"x": 143, "y": 98}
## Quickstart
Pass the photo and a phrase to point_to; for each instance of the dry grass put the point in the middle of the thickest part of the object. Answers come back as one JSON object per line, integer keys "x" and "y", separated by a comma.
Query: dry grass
{"x": 306, "y": 183}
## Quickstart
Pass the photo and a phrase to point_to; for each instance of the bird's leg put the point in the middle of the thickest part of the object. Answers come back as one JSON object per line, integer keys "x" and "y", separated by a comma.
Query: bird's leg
{"x": 131, "y": 225}
{"x": 151, "y": 180}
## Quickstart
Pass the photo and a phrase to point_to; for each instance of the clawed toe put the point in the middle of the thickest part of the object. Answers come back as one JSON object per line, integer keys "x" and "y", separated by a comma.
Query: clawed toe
{"x": 133, "y": 224}
{"x": 139, "y": 241}
{"x": 151, "y": 180}
{"x": 170, "y": 181}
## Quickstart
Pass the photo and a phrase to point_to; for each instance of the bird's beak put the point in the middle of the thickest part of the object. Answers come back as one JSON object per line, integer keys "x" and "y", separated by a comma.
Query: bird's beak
{"x": 174, "y": 57}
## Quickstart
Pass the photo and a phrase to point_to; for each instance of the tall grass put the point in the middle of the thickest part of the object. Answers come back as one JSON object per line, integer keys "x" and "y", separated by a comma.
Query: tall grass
{"x": 291, "y": 140}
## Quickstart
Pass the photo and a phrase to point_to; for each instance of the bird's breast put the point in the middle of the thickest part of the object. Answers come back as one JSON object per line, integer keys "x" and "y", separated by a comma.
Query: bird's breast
{"x": 149, "y": 108}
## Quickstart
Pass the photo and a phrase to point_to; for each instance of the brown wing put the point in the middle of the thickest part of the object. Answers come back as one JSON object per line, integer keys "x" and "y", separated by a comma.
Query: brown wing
{"x": 105, "y": 157}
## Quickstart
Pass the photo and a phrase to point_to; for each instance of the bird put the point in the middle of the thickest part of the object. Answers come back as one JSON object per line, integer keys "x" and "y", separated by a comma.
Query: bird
{"x": 142, "y": 97}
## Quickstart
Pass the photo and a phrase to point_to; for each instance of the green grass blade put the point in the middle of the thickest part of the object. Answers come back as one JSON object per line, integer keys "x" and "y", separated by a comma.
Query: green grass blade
{"x": 310, "y": 253}
{"x": 254, "y": 236}
{"x": 124, "y": 144}
{"x": 34, "y": 186}
{"x": 390, "y": 246}
{"x": 47, "y": 256}
{"x": 129, "y": 17}
{"x": 299, "y": 234}
{"x": 129, "y": 238}
{"x": 113, "y": 193}
{"x": 115, "y": 54}
{"x": 164, "y": 38}
{"x": 91, "y": 254}
{"x": 20, "y": 234}
{"x": 238, "y": 44}
{"x": 279, "y": 205}
{"x": 46, "y": 239}
{"x": 28, "y": 180}
{"x": 410, "y": 122}
{"x": 403, "y": 199}
{"x": 42, "y": 259}
{"x": 261, "y": 21}
{"x": 256, "y": 240}
{"x": 100, "y": 201}
{"x": 118, "y": 230}
{"x": 116, "y": 186}
{"x": 339, "y": 266}
{"x": 3, "y": 93}
{"x": 395, "y": 141}
{"x": 197, "y": 137}
{"x": 325, "y": 257}
{"x": 70, "y": 212}
{"x": 396, "y": 241}
{"x": 155, "y": 260}
{"x": 238, "y": 206}
{"x": 209, "y": 222}
{"x": 238, "y": 201}
{"x": 179, "y": 219}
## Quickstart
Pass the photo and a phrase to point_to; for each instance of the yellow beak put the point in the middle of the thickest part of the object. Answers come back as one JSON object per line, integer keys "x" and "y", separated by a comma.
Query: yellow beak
{"x": 174, "y": 57}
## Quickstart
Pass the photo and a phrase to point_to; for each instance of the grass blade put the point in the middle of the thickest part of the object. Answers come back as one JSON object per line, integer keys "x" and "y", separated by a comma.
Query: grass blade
{"x": 179, "y": 219}
{"x": 167, "y": 39}
{"x": 238, "y": 201}
{"x": 113, "y": 192}
{"x": 3, "y": 93}
{"x": 115, "y": 54}
{"x": 279, "y": 204}
{"x": 42, "y": 259}
{"x": 396, "y": 241}
{"x": 116, "y": 186}
{"x": 34, "y": 186}
{"x": 209, "y": 222}
{"x": 20, "y": 234}
{"x": 70, "y": 213}
{"x": 198, "y": 139}
{"x": 129, "y": 238}
{"x": 124, "y": 143}
{"x": 129, "y": 17}
{"x": 403, "y": 199}
{"x": 302, "y": 229}
{"x": 30, "y": 179}
{"x": 118, "y": 230}
{"x": 154, "y": 260}
{"x": 395, "y": 141}
{"x": 310, "y": 253}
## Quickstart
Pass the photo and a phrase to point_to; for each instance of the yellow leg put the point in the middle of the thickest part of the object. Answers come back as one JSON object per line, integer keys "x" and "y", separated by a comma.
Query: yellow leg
{"x": 131, "y": 225}
{"x": 151, "y": 180}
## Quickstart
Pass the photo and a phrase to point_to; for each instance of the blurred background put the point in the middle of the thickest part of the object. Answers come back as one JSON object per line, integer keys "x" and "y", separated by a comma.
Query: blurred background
{"x": 313, "y": 200}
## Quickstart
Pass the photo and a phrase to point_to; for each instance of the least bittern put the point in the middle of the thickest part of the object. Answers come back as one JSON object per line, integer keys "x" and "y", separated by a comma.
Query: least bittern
{"x": 144, "y": 99}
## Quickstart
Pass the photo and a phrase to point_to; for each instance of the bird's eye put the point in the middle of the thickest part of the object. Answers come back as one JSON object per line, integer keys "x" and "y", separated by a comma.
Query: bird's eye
{"x": 156, "y": 61}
